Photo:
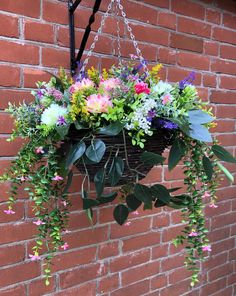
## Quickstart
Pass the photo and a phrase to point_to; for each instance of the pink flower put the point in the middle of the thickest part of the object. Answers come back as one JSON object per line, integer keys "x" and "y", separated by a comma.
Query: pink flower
{"x": 98, "y": 103}
{"x": 64, "y": 202}
{"x": 22, "y": 179}
{"x": 39, "y": 222}
{"x": 9, "y": 212}
{"x": 206, "y": 248}
{"x": 166, "y": 99}
{"x": 213, "y": 206}
{"x": 193, "y": 233}
{"x": 136, "y": 213}
{"x": 55, "y": 93}
{"x": 67, "y": 231}
{"x": 127, "y": 223}
{"x": 39, "y": 150}
{"x": 81, "y": 85}
{"x": 206, "y": 195}
{"x": 65, "y": 246}
{"x": 57, "y": 178}
{"x": 34, "y": 257}
{"x": 110, "y": 84}
{"x": 133, "y": 56}
{"x": 141, "y": 87}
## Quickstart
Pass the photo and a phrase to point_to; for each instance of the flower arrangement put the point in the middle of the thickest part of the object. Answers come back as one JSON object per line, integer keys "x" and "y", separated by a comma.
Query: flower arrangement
{"x": 66, "y": 124}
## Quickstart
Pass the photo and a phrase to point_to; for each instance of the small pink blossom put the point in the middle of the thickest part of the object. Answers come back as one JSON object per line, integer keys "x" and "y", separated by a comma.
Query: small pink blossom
{"x": 193, "y": 234}
{"x": 67, "y": 231}
{"x": 34, "y": 257}
{"x": 206, "y": 248}
{"x": 64, "y": 202}
{"x": 55, "y": 93}
{"x": 133, "y": 56}
{"x": 39, "y": 150}
{"x": 141, "y": 87}
{"x": 213, "y": 205}
{"x": 167, "y": 99}
{"x": 206, "y": 195}
{"x": 81, "y": 85}
{"x": 110, "y": 84}
{"x": 98, "y": 103}
{"x": 135, "y": 213}
{"x": 127, "y": 223}
{"x": 65, "y": 246}
{"x": 57, "y": 178}
{"x": 9, "y": 212}
{"x": 39, "y": 222}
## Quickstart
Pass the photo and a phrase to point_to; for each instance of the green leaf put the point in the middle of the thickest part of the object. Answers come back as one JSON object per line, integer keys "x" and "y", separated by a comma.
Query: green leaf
{"x": 208, "y": 167}
{"x": 96, "y": 150}
{"x": 199, "y": 117}
{"x": 150, "y": 158}
{"x": 147, "y": 206}
{"x": 120, "y": 214}
{"x": 68, "y": 183}
{"x": 161, "y": 192}
{"x": 75, "y": 153}
{"x": 112, "y": 130}
{"x": 99, "y": 180}
{"x": 78, "y": 126}
{"x": 223, "y": 154}
{"x": 158, "y": 204}
{"x": 177, "y": 151}
{"x": 62, "y": 130}
{"x": 132, "y": 202}
{"x": 116, "y": 170}
{"x": 200, "y": 132}
{"x": 228, "y": 175}
{"x": 143, "y": 193}
{"x": 106, "y": 198}
{"x": 173, "y": 189}
{"x": 89, "y": 203}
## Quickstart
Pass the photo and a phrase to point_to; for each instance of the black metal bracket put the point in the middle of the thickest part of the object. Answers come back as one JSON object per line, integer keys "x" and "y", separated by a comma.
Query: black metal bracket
{"x": 72, "y": 6}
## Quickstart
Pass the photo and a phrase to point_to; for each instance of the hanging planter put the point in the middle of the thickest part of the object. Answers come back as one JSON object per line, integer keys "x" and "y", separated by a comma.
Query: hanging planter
{"x": 113, "y": 126}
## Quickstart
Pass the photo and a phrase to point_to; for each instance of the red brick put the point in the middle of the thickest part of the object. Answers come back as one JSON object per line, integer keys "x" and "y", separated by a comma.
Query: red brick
{"x": 194, "y": 27}
{"x": 178, "y": 275}
{"x": 9, "y": 148}
{"x": 211, "y": 288}
{"x": 19, "y": 290}
{"x": 229, "y": 20}
{"x": 13, "y": 96}
{"x": 85, "y": 289}
{"x": 167, "y": 56}
{"x": 219, "y": 234}
{"x": 109, "y": 249}
{"x": 211, "y": 48}
{"x": 228, "y": 82}
{"x": 23, "y": 7}
{"x": 184, "y": 42}
{"x": 159, "y": 252}
{"x": 158, "y": 282}
{"x": 11, "y": 254}
{"x": 226, "y": 111}
{"x": 228, "y": 52}
{"x": 159, "y": 3}
{"x": 6, "y": 123}
{"x": 224, "y": 126}
{"x": 55, "y": 58}
{"x": 214, "y": 261}
{"x": 176, "y": 74}
{"x": 19, "y": 53}
{"x": 161, "y": 220}
{"x": 8, "y": 26}
{"x": 222, "y": 246}
{"x": 38, "y": 287}
{"x": 59, "y": 15}
{"x": 140, "y": 288}
{"x": 224, "y": 35}
{"x": 167, "y": 20}
{"x": 171, "y": 232}
{"x": 188, "y": 8}
{"x": 178, "y": 288}
{"x": 193, "y": 61}
{"x": 32, "y": 76}
{"x": 109, "y": 284}
{"x": 213, "y": 16}
{"x": 224, "y": 97}
{"x": 226, "y": 5}
{"x": 222, "y": 66}
{"x": 9, "y": 76}
{"x": 141, "y": 241}
{"x": 19, "y": 212}
{"x": 19, "y": 273}
{"x": 220, "y": 271}
{"x": 176, "y": 174}
{"x": 37, "y": 31}
{"x": 209, "y": 80}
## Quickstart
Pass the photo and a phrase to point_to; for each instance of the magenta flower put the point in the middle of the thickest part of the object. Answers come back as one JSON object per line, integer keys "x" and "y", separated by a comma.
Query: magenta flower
{"x": 213, "y": 206}
{"x": 206, "y": 248}
{"x": 135, "y": 213}
{"x": 65, "y": 246}
{"x": 141, "y": 87}
{"x": 193, "y": 234}
{"x": 55, "y": 93}
{"x": 39, "y": 222}
{"x": 127, "y": 223}
{"x": 61, "y": 120}
{"x": 98, "y": 103}
{"x": 9, "y": 212}
{"x": 166, "y": 99}
{"x": 206, "y": 195}
{"x": 57, "y": 178}
{"x": 39, "y": 150}
{"x": 34, "y": 257}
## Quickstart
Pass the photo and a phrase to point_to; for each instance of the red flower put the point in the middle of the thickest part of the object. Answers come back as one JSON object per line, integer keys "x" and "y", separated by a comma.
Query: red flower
{"x": 141, "y": 87}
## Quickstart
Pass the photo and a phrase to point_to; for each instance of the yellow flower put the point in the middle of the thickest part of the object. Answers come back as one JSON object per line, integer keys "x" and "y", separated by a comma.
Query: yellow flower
{"x": 93, "y": 75}
{"x": 105, "y": 74}
{"x": 155, "y": 72}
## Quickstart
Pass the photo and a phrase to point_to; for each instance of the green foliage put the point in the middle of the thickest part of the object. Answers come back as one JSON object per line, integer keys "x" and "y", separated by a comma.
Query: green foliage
{"x": 120, "y": 214}
{"x": 223, "y": 154}
{"x": 151, "y": 158}
{"x": 96, "y": 150}
{"x": 177, "y": 151}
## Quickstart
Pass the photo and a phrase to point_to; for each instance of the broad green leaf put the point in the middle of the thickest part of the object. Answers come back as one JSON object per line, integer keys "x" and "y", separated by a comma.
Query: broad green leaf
{"x": 75, "y": 153}
{"x": 147, "y": 206}
{"x": 178, "y": 202}
{"x": 158, "y": 204}
{"x": 96, "y": 150}
{"x": 151, "y": 158}
{"x": 199, "y": 117}
{"x": 89, "y": 213}
{"x": 223, "y": 154}
{"x": 106, "y": 198}
{"x": 177, "y": 151}
{"x": 116, "y": 170}
{"x": 78, "y": 126}
{"x": 111, "y": 130}
{"x": 228, "y": 175}
{"x": 143, "y": 193}
{"x": 99, "y": 180}
{"x": 120, "y": 214}
{"x": 132, "y": 202}
{"x": 89, "y": 203}
{"x": 208, "y": 167}
{"x": 200, "y": 132}
{"x": 174, "y": 189}
{"x": 160, "y": 192}
{"x": 68, "y": 183}
{"x": 62, "y": 130}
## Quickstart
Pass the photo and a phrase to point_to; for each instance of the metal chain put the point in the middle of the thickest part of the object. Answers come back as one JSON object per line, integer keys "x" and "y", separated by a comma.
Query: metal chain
{"x": 118, "y": 33}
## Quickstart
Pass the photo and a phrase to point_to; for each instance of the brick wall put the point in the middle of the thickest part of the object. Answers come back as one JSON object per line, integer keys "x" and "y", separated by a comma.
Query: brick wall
{"x": 106, "y": 259}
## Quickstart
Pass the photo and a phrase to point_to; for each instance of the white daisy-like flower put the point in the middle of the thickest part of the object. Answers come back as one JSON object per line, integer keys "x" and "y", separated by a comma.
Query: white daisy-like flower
{"x": 162, "y": 88}
{"x": 51, "y": 115}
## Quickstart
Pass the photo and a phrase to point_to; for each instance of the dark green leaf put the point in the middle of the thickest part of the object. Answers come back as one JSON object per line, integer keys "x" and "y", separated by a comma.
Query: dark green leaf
{"x": 199, "y": 117}
{"x": 96, "y": 150}
{"x": 177, "y": 151}
{"x": 99, "y": 180}
{"x": 143, "y": 193}
{"x": 223, "y": 154}
{"x": 208, "y": 167}
{"x": 62, "y": 130}
{"x": 75, "y": 153}
{"x": 228, "y": 175}
{"x": 106, "y": 198}
{"x": 89, "y": 203}
{"x": 151, "y": 158}
{"x": 200, "y": 132}
{"x": 132, "y": 202}
{"x": 116, "y": 170}
{"x": 120, "y": 214}
{"x": 68, "y": 183}
{"x": 160, "y": 192}
{"x": 78, "y": 126}
{"x": 111, "y": 130}
{"x": 147, "y": 206}
{"x": 173, "y": 189}
{"x": 158, "y": 204}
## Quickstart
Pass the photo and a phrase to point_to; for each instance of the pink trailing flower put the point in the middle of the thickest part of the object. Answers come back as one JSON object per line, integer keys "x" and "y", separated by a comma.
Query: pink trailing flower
{"x": 55, "y": 93}
{"x": 98, "y": 103}
{"x": 85, "y": 83}
{"x": 39, "y": 150}
{"x": 65, "y": 246}
{"x": 34, "y": 257}
{"x": 64, "y": 202}
{"x": 206, "y": 195}
{"x": 9, "y": 212}
{"x": 141, "y": 87}
{"x": 110, "y": 84}
{"x": 193, "y": 234}
{"x": 135, "y": 213}
{"x": 23, "y": 179}
{"x": 166, "y": 99}
{"x": 57, "y": 178}
{"x": 213, "y": 205}
{"x": 206, "y": 248}
{"x": 127, "y": 223}
{"x": 39, "y": 222}
{"x": 133, "y": 56}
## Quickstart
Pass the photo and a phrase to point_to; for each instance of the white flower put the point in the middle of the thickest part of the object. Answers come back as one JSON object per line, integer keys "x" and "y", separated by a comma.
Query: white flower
{"x": 162, "y": 88}
{"x": 52, "y": 113}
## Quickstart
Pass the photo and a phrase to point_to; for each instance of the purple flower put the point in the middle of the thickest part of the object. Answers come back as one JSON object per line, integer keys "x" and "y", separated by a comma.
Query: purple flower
{"x": 9, "y": 212}
{"x": 61, "y": 120}
{"x": 151, "y": 115}
{"x": 187, "y": 81}
{"x": 40, "y": 93}
{"x": 164, "y": 123}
